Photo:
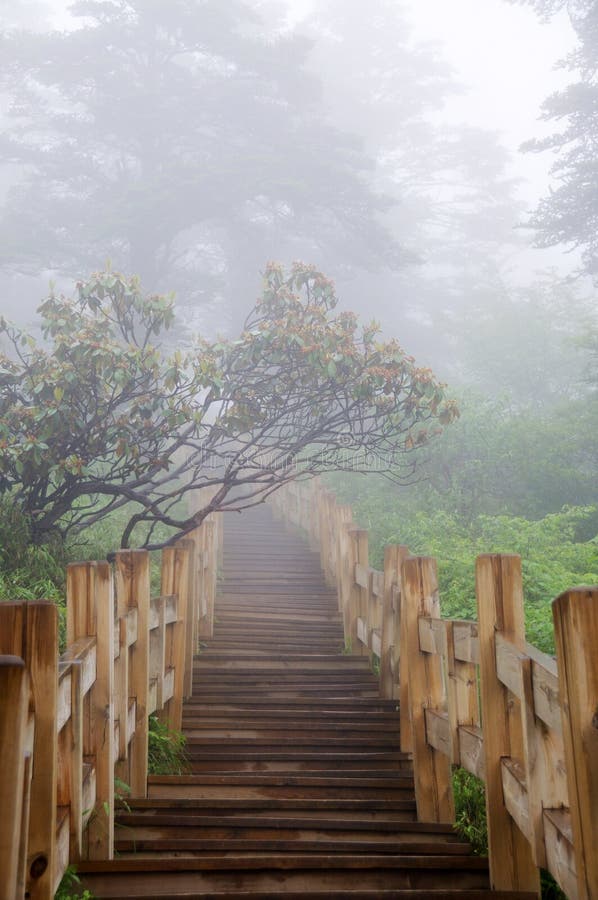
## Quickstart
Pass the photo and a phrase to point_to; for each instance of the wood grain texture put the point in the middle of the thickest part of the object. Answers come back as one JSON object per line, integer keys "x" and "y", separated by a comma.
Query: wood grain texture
{"x": 576, "y": 631}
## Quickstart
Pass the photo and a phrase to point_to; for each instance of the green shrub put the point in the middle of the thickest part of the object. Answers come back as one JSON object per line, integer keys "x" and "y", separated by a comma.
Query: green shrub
{"x": 166, "y": 749}
{"x": 470, "y": 810}
{"x": 70, "y": 887}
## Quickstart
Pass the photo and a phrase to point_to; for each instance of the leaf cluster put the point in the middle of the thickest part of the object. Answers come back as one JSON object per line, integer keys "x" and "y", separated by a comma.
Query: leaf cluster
{"x": 99, "y": 415}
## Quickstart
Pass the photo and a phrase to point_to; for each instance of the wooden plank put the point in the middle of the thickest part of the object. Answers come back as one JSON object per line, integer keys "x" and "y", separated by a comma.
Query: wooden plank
{"x": 432, "y": 635}
{"x": 82, "y": 652}
{"x": 467, "y": 644}
{"x": 400, "y": 658}
{"x": 133, "y": 582}
{"x": 358, "y": 538}
{"x": 544, "y": 757}
{"x": 131, "y": 626}
{"x": 500, "y": 610}
{"x": 362, "y": 575}
{"x": 377, "y": 583}
{"x": 560, "y": 855}
{"x": 168, "y": 685}
{"x": 131, "y": 716}
{"x": 345, "y": 579}
{"x": 471, "y": 750}
{"x": 363, "y": 590}
{"x": 376, "y": 641}
{"x": 22, "y": 873}
{"x": 14, "y": 690}
{"x": 121, "y": 695}
{"x": 462, "y": 694}
{"x": 80, "y": 670}
{"x": 362, "y": 632}
{"x": 210, "y": 579}
{"x": 344, "y": 518}
{"x": 433, "y": 784}
{"x": 156, "y": 652}
{"x": 63, "y": 704}
{"x": 171, "y": 612}
{"x": 516, "y": 795}
{"x": 175, "y": 585}
{"x": 373, "y": 611}
{"x": 90, "y": 613}
{"x": 576, "y": 632}
{"x": 40, "y": 650}
{"x": 545, "y": 686}
{"x": 152, "y": 696}
{"x": 62, "y": 847}
{"x": 388, "y": 658}
{"x": 437, "y": 731}
{"x": 508, "y": 665}
{"x": 192, "y": 629}
{"x": 88, "y": 796}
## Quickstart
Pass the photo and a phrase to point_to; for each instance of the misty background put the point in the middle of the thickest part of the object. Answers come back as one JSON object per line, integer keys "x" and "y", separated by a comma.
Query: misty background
{"x": 191, "y": 142}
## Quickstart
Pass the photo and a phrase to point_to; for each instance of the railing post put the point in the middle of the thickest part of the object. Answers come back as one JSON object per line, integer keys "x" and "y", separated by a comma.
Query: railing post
{"x": 30, "y": 630}
{"x": 175, "y": 580}
{"x": 344, "y": 519}
{"x": 394, "y": 556}
{"x": 500, "y": 611}
{"x": 432, "y": 771}
{"x": 192, "y": 627}
{"x": 14, "y": 691}
{"x": 211, "y": 573}
{"x": 90, "y": 613}
{"x": 357, "y": 594}
{"x": 207, "y": 573}
{"x": 133, "y": 593}
{"x": 576, "y": 629}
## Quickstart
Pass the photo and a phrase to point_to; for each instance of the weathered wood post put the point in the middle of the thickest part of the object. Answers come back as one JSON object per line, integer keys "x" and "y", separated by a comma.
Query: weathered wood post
{"x": 576, "y": 629}
{"x": 343, "y": 520}
{"x": 14, "y": 691}
{"x": 90, "y": 613}
{"x": 500, "y": 612}
{"x": 30, "y": 631}
{"x": 175, "y": 581}
{"x": 432, "y": 771}
{"x": 133, "y": 593}
{"x": 357, "y": 605}
{"x": 394, "y": 556}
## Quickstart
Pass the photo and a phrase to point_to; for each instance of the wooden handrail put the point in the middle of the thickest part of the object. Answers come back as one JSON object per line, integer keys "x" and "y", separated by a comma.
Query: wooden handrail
{"x": 71, "y": 727}
{"x": 476, "y": 694}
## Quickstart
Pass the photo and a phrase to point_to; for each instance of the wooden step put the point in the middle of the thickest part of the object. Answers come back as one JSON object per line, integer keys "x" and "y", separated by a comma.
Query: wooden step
{"x": 297, "y": 785}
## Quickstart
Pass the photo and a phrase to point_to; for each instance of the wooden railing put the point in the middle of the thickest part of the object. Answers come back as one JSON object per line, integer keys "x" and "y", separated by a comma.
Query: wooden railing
{"x": 476, "y": 695}
{"x": 72, "y": 727}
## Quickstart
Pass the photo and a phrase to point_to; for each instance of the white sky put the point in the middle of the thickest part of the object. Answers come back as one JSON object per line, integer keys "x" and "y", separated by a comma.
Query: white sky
{"x": 504, "y": 59}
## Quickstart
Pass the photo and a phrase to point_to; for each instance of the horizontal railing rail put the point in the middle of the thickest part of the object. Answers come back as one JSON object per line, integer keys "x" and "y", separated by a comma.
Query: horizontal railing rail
{"x": 476, "y": 694}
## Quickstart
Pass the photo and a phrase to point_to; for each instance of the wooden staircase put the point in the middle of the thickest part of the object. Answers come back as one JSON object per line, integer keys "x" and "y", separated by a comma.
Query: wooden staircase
{"x": 297, "y": 787}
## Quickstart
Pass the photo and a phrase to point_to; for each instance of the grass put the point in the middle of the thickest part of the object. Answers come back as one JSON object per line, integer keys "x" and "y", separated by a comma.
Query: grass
{"x": 166, "y": 749}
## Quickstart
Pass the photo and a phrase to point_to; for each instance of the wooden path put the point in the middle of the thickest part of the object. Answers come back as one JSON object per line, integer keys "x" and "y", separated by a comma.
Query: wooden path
{"x": 297, "y": 786}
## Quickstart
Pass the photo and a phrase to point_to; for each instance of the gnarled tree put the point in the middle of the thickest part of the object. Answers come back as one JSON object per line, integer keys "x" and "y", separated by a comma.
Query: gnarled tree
{"x": 98, "y": 416}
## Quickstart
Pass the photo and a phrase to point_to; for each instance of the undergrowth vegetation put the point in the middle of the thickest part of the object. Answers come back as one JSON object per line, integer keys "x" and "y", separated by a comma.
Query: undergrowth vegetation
{"x": 556, "y": 551}
{"x": 166, "y": 749}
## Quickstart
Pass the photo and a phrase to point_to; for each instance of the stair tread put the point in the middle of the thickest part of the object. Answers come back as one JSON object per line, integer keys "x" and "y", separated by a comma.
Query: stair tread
{"x": 297, "y": 784}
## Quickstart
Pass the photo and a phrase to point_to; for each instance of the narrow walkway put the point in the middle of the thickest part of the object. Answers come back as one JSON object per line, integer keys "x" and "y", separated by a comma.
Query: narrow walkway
{"x": 297, "y": 785}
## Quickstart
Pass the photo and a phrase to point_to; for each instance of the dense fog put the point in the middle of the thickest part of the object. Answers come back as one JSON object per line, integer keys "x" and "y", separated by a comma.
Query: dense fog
{"x": 191, "y": 142}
